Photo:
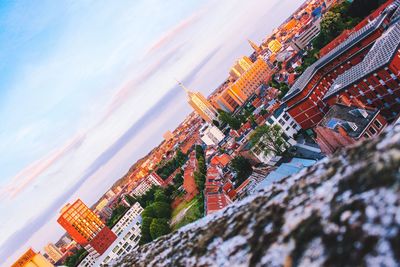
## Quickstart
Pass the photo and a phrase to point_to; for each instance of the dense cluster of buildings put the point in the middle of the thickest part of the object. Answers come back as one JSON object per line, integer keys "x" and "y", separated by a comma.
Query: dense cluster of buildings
{"x": 349, "y": 94}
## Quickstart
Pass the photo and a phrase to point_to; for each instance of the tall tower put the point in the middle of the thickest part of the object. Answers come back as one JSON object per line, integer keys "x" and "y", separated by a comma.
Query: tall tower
{"x": 200, "y": 104}
{"x": 254, "y": 46}
{"x": 86, "y": 228}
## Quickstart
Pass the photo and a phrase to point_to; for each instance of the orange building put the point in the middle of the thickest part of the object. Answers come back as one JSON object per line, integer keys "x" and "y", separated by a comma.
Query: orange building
{"x": 86, "y": 228}
{"x": 240, "y": 90}
{"x": 32, "y": 259}
{"x": 274, "y": 46}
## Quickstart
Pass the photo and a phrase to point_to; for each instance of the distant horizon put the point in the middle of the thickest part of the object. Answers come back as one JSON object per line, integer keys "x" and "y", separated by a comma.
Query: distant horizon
{"x": 91, "y": 90}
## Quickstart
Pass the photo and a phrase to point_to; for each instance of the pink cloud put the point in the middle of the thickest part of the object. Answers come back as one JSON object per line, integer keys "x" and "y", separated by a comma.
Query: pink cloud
{"x": 26, "y": 176}
{"x": 172, "y": 33}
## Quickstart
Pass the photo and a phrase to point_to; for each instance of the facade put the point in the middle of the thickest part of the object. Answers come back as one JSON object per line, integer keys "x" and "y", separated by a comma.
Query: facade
{"x": 32, "y": 259}
{"x": 285, "y": 121}
{"x": 127, "y": 219}
{"x": 311, "y": 30}
{"x": 211, "y": 135}
{"x": 86, "y": 228}
{"x": 214, "y": 195}
{"x": 241, "y": 66}
{"x": 127, "y": 241}
{"x": 274, "y": 46}
{"x": 53, "y": 252}
{"x": 364, "y": 67}
{"x": 201, "y": 105}
{"x": 344, "y": 125}
{"x": 249, "y": 81}
{"x": 151, "y": 180}
{"x": 168, "y": 136}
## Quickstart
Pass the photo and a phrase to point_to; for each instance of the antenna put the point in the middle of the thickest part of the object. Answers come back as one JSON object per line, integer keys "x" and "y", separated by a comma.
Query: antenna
{"x": 182, "y": 86}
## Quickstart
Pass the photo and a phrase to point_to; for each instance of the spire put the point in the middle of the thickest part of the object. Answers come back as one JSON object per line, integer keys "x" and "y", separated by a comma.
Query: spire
{"x": 183, "y": 86}
{"x": 254, "y": 46}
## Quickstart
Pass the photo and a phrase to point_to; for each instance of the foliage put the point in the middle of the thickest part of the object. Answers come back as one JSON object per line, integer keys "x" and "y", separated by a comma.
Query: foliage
{"x": 242, "y": 167}
{"x": 74, "y": 259}
{"x": 178, "y": 179}
{"x": 145, "y": 230}
{"x": 169, "y": 167}
{"x": 362, "y": 8}
{"x": 194, "y": 213}
{"x": 159, "y": 227}
{"x": 227, "y": 118}
{"x": 116, "y": 215}
{"x": 200, "y": 174}
{"x": 271, "y": 138}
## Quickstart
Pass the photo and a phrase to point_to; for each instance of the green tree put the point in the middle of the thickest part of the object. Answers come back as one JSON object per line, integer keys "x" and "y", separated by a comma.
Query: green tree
{"x": 145, "y": 230}
{"x": 272, "y": 138}
{"x": 242, "y": 167}
{"x": 161, "y": 210}
{"x": 149, "y": 212}
{"x": 159, "y": 227}
{"x": 227, "y": 118}
{"x": 160, "y": 196}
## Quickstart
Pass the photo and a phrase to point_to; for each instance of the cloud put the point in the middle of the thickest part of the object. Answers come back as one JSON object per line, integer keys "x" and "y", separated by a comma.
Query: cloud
{"x": 172, "y": 33}
{"x": 26, "y": 176}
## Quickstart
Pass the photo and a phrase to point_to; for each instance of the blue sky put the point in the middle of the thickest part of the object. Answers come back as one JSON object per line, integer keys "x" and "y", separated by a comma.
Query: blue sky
{"x": 87, "y": 87}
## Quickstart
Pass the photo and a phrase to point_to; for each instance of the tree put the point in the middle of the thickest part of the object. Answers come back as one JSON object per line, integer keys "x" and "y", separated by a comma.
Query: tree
{"x": 362, "y": 8}
{"x": 242, "y": 167}
{"x": 227, "y": 118}
{"x": 159, "y": 227}
{"x": 149, "y": 212}
{"x": 271, "y": 138}
{"x": 160, "y": 196}
{"x": 178, "y": 179}
{"x": 161, "y": 210}
{"x": 145, "y": 230}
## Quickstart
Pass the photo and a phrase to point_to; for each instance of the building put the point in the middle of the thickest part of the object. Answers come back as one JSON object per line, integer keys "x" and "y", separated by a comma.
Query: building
{"x": 239, "y": 91}
{"x": 168, "y": 136}
{"x": 308, "y": 33}
{"x": 128, "y": 217}
{"x": 32, "y": 259}
{"x": 201, "y": 105}
{"x": 274, "y": 46}
{"x": 53, "y": 252}
{"x": 143, "y": 186}
{"x": 189, "y": 183}
{"x": 86, "y": 228}
{"x": 256, "y": 47}
{"x": 127, "y": 241}
{"x": 211, "y": 135}
{"x": 365, "y": 66}
{"x": 285, "y": 121}
{"x": 344, "y": 125}
{"x": 241, "y": 66}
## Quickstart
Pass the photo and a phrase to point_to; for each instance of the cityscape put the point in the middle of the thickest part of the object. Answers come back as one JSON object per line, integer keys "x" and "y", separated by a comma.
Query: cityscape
{"x": 322, "y": 82}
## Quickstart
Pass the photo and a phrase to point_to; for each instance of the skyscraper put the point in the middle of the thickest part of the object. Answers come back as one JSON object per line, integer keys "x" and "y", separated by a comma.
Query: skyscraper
{"x": 31, "y": 258}
{"x": 200, "y": 104}
{"x": 54, "y": 253}
{"x": 86, "y": 228}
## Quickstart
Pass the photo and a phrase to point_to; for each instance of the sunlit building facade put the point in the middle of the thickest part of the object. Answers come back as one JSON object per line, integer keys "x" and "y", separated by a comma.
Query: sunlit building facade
{"x": 86, "y": 228}
{"x": 32, "y": 259}
{"x": 54, "y": 253}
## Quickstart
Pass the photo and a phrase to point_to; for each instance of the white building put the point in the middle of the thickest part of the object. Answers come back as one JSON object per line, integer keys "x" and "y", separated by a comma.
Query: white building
{"x": 211, "y": 135}
{"x": 126, "y": 242}
{"x": 128, "y": 234}
{"x": 127, "y": 219}
{"x": 311, "y": 30}
{"x": 289, "y": 126}
{"x": 151, "y": 180}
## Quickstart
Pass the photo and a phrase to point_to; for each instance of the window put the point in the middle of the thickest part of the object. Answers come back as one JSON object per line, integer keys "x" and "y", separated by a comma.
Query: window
{"x": 378, "y": 124}
{"x": 366, "y": 135}
{"x": 372, "y": 130}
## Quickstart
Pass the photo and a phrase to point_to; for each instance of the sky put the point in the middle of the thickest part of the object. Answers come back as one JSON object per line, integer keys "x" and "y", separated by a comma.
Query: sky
{"x": 87, "y": 87}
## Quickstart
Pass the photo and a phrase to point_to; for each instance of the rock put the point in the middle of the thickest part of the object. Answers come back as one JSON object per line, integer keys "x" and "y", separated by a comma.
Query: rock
{"x": 343, "y": 211}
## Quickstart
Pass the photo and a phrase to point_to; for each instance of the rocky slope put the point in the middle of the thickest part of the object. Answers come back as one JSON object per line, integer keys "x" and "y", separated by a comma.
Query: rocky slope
{"x": 344, "y": 211}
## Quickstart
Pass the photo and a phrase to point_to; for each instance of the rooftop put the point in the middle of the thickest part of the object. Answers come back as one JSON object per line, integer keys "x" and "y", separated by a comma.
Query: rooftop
{"x": 353, "y": 118}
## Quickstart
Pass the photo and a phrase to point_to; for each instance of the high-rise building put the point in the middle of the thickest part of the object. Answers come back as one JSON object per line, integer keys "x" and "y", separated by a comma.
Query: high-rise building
{"x": 241, "y": 66}
{"x": 153, "y": 179}
{"x": 86, "y": 228}
{"x": 54, "y": 253}
{"x": 32, "y": 259}
{"x": 200, "y": 104}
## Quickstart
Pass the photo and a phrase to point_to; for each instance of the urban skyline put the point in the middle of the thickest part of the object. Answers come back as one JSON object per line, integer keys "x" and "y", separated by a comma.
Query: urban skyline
{"x": 42, "y": 165}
